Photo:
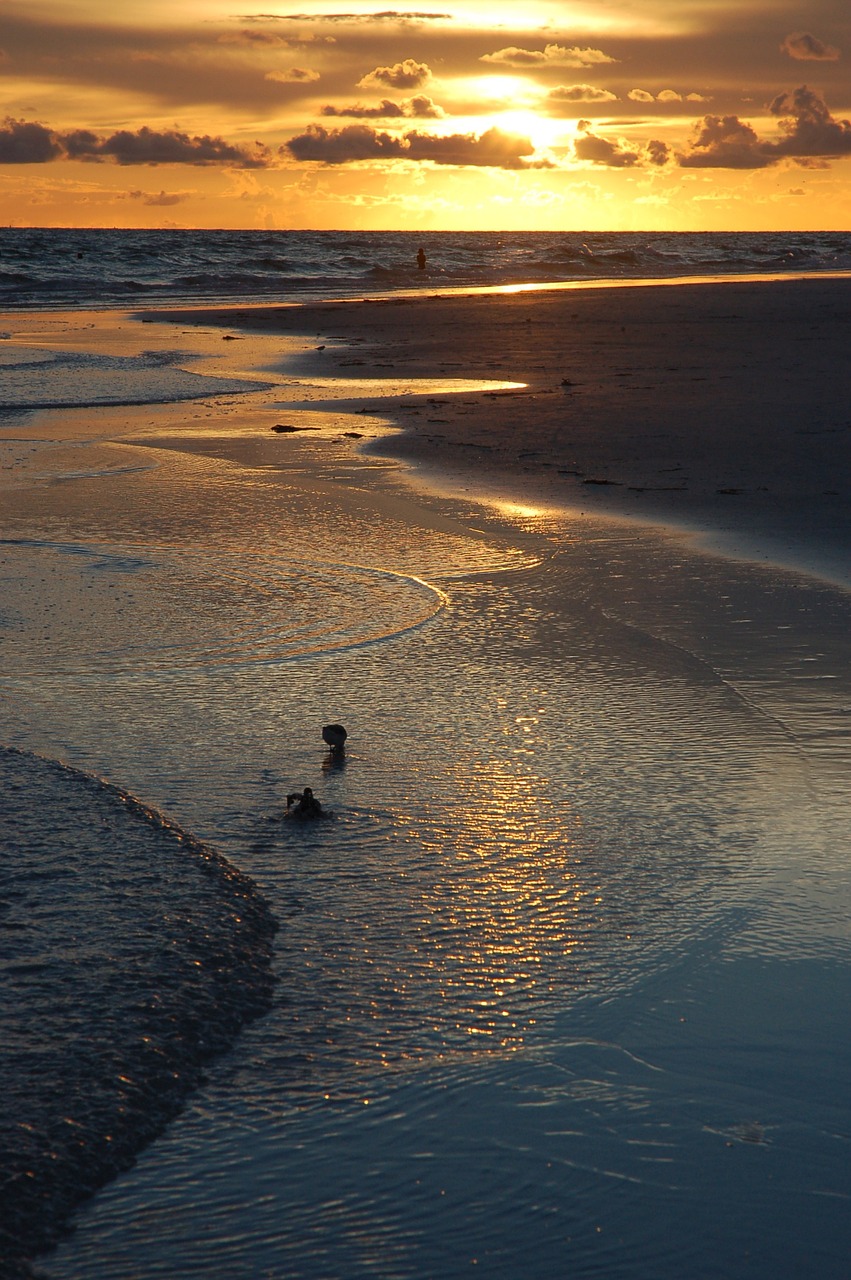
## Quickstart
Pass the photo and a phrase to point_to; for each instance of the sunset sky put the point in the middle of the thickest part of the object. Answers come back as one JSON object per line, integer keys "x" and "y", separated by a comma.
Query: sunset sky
{"x": 482, "y": 114}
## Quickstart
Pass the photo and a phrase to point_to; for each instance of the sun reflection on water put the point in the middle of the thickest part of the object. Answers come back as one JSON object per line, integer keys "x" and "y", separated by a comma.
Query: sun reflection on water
{"x": 507, "y": 915}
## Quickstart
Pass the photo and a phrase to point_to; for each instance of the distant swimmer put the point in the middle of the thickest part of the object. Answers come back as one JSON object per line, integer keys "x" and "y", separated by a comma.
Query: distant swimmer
{"x": 304, "y": 805}
{"x": 335, "y": 736}
{"x": 421, "y": 258}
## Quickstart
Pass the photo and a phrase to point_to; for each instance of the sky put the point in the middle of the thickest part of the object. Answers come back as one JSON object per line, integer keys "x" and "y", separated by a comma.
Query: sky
{"x": 619, "y": 115}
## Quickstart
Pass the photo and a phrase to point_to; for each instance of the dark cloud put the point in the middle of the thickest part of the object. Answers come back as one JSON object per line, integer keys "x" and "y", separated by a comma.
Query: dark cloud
{"x": 384, "y": 110}
{"x": 809, "y": 132}
{"x": 808, "y": 48}
{"x": 417, "y": 108}
{"x": 493, "y": 149}
{"x": 25, "y": 142}
{"x": 402, "y": 75}
{"x": 588, "y": 146}
{"x": 343, "y": 146}
{"x": 149, "y": 146}
{"x": 809, "y": 127}
{"x": 615, "y": 155}
{"x": 724, "y": 142}
{"x": 164, "y": 198}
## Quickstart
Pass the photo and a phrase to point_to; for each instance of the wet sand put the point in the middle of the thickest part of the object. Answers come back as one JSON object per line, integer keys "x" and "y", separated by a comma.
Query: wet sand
{"x": 568, "y": 679}
{"x": 721, "y": 407}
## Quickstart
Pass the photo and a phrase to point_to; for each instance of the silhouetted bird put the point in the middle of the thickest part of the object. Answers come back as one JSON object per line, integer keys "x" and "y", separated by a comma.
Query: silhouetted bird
{"x": 304, "y": 805}
{"x": 335, "y": 736}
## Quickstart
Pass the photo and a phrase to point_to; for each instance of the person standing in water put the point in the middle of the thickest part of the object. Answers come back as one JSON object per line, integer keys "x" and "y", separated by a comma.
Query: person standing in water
{"x": 421, "y": 258}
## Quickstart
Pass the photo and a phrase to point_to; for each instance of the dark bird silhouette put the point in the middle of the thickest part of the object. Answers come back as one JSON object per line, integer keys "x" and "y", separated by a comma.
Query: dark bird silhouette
{"x": 304, "y": 805}
{"x": 335, "y": 736}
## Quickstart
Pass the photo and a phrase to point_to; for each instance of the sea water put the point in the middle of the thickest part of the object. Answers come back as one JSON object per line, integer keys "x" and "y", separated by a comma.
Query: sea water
{"x": 58, "y": 267}
{"x": 558, "y": 985}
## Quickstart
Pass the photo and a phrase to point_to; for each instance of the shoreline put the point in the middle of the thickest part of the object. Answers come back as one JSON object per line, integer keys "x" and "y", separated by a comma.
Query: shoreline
{"x": 613, "y": 418}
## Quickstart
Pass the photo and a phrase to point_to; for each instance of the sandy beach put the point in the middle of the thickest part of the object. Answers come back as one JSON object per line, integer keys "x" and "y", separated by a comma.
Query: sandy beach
{"x": 562, "y": 988}
{"x": 723, "y": 407}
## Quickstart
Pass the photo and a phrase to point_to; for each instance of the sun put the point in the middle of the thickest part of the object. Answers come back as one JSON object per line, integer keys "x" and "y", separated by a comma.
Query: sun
{"x": 509, "y": 103}
{"x": 542, "y": 131}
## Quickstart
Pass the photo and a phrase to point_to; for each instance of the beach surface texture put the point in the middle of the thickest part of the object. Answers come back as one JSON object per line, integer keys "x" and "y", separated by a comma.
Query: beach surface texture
{"x": 561, "y": 986}
{"x": 676, "y": 398}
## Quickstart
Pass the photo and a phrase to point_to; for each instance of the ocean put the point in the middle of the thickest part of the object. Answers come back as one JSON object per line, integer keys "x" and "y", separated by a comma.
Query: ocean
{"x": 559, "y": 987}
{"x": 64, "y": 268}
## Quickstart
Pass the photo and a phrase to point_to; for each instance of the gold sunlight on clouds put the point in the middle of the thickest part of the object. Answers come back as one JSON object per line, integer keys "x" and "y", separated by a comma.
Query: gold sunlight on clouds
{"x": 551, "y": 116}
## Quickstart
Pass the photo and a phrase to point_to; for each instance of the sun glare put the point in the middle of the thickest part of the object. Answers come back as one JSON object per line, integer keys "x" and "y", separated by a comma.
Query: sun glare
{"x": 540, "y": 130}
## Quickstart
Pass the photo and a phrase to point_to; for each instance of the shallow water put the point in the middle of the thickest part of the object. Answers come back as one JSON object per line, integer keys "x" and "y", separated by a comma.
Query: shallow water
{"x": 560, "y": 981}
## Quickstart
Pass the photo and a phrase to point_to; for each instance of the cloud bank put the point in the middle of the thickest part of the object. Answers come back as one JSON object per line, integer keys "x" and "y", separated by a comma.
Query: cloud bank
{"x": 23, "y": 142}
{"x": 808, "y": 131}
{"x": 492, "y": 149}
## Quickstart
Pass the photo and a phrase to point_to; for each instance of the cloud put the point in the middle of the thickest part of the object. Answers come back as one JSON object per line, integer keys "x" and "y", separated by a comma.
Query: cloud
{"x": 616, "y": 155}
{"x": 493, "y": 149}
{"x": 552, "y": 55}
{"x": 253, "y": 38}
{"x": 658, "y": 153}
{"x": 402, "y": 75}
{"x": 724, "y": 142}
{"x": 420, "y": 107}
{"x": 809, "y": 132}
{"x": 26, "y": 142}
{"x": 164, "y": 199}
{"x": 807, "y": 48}
{"x": 148, "y": 146}
{"x": 265, "y": 39}
{"x": 294, "y": 75}
{"x": 343, "y": 146}
{"x": 665, "y": 95}
{"x": 386, "y": 15}
{"x": 613, "y": 155}
{"x": 567, "y": 93}
{"x": 809, "y": 127}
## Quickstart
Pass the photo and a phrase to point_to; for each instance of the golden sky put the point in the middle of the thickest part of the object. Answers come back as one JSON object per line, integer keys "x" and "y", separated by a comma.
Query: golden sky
{"x": 476, "y": 115}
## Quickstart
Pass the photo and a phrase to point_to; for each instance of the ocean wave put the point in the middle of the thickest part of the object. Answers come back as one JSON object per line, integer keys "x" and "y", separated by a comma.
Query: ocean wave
{"x": 133, "y": 954}
{"x": 67, "y": 268}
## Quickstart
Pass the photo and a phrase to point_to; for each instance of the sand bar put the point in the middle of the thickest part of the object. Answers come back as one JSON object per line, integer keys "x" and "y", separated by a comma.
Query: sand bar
{"x": 719, "y": 407}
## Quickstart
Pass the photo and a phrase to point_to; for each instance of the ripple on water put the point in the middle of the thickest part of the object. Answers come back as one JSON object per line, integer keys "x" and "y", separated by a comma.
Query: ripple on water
{"x": 110, "y": 610}
{"x": 132, "y": 955}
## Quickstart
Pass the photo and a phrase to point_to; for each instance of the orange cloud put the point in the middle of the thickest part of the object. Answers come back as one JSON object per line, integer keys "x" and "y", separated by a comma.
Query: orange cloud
{"x": 807, "y": 48}
{"x": 402, "y": 75}
{"x": 552, "y": 55}
{"x": 569, "y": 93}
